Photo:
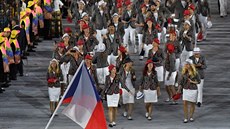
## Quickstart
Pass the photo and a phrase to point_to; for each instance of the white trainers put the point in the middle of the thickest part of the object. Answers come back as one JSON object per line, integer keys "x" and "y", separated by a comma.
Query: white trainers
{"x": 149, "y": 118}
{"x": 185, "y": 121}
{"x": 114, "y": 124}
{"x": 141, "y": 57}
{"x": 125, "y": 114}
{"x": 129, "y": 118}
{"x": 146, "y": 114}
{"x": 176, "y": 84}
{"x": 191, "y": 119}
{"x": 167, "y": 100}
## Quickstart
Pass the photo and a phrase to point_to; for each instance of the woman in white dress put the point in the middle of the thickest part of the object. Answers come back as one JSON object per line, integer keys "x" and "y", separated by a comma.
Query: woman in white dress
{"x": 112, "y": 83}
{"x": 128, "y": 77}
{"x": 54, "y": 76}
{"x": 150, "y": 87}
{"x": 189, "y": 80}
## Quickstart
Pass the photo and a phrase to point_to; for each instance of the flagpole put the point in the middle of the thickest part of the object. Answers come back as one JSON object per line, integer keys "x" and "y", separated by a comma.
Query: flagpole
{"x": 60, "y": 102}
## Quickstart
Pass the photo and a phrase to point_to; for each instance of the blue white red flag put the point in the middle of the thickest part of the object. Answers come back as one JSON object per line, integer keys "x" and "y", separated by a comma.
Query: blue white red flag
{"x": 85, "y": 106}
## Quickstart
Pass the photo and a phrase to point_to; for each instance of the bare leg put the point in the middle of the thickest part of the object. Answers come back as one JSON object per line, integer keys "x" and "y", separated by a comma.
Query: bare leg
{"x": 110, "y": 114}
{"x": 130, "y": 109}
{"x": 114, "y": 114}
{"x": 52, "y": 107}
{"x": 185, "y": 109}
{"x": 192, "y": 109}
{"x": 150, "y": 109}
{"x": 147, "y": 107}
{"x": 168, "y": 91}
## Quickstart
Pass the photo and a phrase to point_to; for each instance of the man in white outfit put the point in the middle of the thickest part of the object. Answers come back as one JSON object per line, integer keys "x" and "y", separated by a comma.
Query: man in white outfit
{"x": 200, "y": 64}
{"x": 223, "y": 8}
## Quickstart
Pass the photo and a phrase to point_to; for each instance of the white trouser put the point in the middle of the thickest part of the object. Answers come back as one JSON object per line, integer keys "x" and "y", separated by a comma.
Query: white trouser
{"x": 140, "y": 41}
{"x": 223, "y": 7}
{"x": 129, "y": 32}
{"x": 204, "y": 24}
{"x": 185, "y": 55}
{"x": 162, "y": 36}
{"x": 177, "y": 64}
{"x": 147, "y": 48}
{"x": 112, "y": 59}
{"x": 200, "y": 91}
{"x": 160, "y": 73}
{"x": 100, "y": 33}
{"x": 101, "y": 74}
{"x": 70, "y": 77}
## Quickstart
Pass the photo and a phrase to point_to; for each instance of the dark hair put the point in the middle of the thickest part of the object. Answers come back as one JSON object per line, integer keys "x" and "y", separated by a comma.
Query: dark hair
{"x": 146, "y": 69}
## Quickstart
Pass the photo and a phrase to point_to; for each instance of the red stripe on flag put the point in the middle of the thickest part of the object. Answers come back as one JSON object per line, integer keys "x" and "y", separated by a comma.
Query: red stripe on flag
{"x": 67, "y": 100}
{"x": 97, "y": 120}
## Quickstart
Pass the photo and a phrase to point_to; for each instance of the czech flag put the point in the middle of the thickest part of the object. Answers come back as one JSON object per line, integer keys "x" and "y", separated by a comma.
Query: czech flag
{"x": 85, "y": 106}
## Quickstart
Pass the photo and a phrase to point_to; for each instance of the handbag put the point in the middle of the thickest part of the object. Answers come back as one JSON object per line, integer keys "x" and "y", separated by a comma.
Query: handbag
{"x": 199, "y": 37}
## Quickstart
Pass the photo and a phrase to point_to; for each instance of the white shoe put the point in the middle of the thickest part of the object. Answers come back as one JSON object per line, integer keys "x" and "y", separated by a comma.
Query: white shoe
{"x": 141, "y": 57}
{"x": 125, "y": 114}
{"x": 130, "y": 118}
{"x": 185, "y": 121}
{"x": 167, "y": 100}
{"x": 114, "y": 124}
{"x": 149, "y": 118}
{"x": 135, "y": 50}
{"x": 191, "y": 119}
{"x": 146, "y": 114}
{"x": 176, "y": 85}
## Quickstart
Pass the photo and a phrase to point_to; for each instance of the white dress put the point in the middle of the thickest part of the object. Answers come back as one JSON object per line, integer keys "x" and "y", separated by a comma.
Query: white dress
{"x": 126, "y": 96}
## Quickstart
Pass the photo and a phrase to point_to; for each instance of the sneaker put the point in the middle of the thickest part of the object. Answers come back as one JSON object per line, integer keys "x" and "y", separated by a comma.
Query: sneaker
{"x": 125, "y": 114}
{"x": 146, "y": 114}
{"x": 167, "y": 100}
{"x": 191, "y": 119}
{"x": 149, "y": 118}
{"x": 114, "y": 123}
{"x": 135, "y": 50}
{"x": 110, "y": 125}
{"x": 173, "y": 103}
{"x": 185, "y": 121}
{"x": 176, "y": 84}
{"x": 141, "y": 57}
{"x": 130, "y": 118}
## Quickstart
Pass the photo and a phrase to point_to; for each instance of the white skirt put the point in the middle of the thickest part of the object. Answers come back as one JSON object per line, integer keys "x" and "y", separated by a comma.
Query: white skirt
{"x": 112, "y": 100}
{"x": 150, "y": 96}
{"x": 101, "y": 74}
{"x": 190, "y": 95}
{"x": 54, "y": 93}
{"x": 160, "y": 73}
{"x": 171, "y": 80}
{"x": 127, "y": 97}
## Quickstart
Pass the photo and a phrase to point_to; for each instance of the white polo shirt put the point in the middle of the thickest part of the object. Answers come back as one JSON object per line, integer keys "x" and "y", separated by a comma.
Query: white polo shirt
{"x": 57, "y": 5}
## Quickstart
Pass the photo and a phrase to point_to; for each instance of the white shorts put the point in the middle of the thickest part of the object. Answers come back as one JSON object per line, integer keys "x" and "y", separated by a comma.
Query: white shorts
{"x": 101, "y": 74}
{"x": 150, "y": 96}
{"x": 190, "y": 95}
{"x": 54, "y": 93}
{"x": 160, "y": 73}
{"x": 112, "y": 100}
{"x": 171, "y": 80}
